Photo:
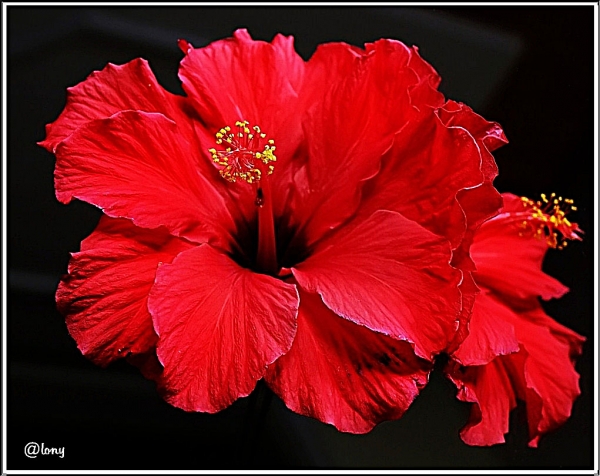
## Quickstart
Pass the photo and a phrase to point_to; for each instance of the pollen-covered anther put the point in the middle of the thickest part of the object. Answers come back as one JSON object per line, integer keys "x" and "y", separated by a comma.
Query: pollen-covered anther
{"x": 247, "y": 153}
{"x": 547, "y": 219}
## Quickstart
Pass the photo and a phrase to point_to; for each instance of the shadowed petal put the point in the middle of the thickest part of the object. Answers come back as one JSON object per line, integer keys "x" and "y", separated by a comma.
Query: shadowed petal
{"x": 390, "y": 275}
{"x": 350, "y": 128}
{"x": 140, "y": 166}
{"x": 104, "y": 296}
{"x": 491, "y": 390}
{"x": 483, "y": 201}
{"x": 147, "y": 363}
{"x": 345, "y": 374}
{"x": 477, "y": 205}
{"x": 542, "y": 374}
{"x": 219, "y": 326}
{"x": 490, "y": 333}
{"x": 422, "y": 174}
{"x": 552, "y": 383}
{"x": 563, "y": 333}
{"x": 468, "y": 293}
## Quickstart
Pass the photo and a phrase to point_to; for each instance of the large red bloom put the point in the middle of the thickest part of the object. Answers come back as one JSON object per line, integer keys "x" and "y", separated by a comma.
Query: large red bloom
{"x": 514, "y": 351}
{"x": 288, "y": 220}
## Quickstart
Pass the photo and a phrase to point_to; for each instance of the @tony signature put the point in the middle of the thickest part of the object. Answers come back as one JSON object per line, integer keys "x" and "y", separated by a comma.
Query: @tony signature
{"x": 33, "y": 450}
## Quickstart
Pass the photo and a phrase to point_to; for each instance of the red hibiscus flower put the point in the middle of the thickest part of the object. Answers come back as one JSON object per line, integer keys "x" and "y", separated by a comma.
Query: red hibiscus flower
{"x": 287, "y": 220}
{"x": 514, "y": 351}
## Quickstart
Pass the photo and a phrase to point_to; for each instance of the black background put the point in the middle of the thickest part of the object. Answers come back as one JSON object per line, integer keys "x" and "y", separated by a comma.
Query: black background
{"x": 528, "y": 68}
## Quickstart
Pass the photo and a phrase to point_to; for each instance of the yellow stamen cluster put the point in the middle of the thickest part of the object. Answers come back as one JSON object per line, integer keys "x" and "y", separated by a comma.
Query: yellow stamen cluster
{"x": 247, "y": 155}
{"x": 547, "y": 219}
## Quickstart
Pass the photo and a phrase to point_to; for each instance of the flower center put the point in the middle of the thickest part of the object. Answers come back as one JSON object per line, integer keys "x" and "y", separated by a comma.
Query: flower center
{"x": 247, "y": 154}
{"x": 546, "y": 218}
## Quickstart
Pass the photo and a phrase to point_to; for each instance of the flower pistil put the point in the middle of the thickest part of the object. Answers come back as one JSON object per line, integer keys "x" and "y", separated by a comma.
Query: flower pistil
{"x": 245, "y": 156}
{"x": 248, "y": 155}
{"x": 547, "y": 218}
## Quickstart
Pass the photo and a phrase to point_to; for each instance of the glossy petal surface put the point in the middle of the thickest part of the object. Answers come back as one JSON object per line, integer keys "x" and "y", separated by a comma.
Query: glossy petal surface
{"x": 350, "y": 128}
{"x": 390, "y": 275}
{"x": 541, "y": 374}
{"x": 344, "y": 374}
{"x": 219, "y": 326}
{"x": 140, "y": 166}
{"x": 116, "y": 88}
{"x": 490, "y": 333}
{"x": 491, "y": 389}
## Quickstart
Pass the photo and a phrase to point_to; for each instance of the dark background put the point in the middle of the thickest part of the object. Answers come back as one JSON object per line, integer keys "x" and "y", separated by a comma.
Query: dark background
{"x": 528, "y": 68}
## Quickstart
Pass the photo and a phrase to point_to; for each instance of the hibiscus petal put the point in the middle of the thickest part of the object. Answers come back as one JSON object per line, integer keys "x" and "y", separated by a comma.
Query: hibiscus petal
{"x": 260, "y": 82}
{"x": 490, "y": 333}
{"x": 390, "y": 275}
{"x": 421, "y": 176}
{"x": 483, "y": 201}
{"x": 104, "y": 93}
{"x": 350, "y": 128}
{"x": 542, "y": 374}
{"x": 563, "y": 333}
{"x": 488, "y": 134}
{"x": 468, "y": 293}
{"x": 104, "y": 295}
{"x": 477, "y": 204}
{"x": 142, "y": 167}
{"x": 219, "y": 326}
{"x": 491, "y": 389}
{"x": 549, "y": 374}
{"x": 521, "y": 276}
{"x": 345, "y": 374}
{"x": 424, "y": 93}
{"x": 254, "y": 81}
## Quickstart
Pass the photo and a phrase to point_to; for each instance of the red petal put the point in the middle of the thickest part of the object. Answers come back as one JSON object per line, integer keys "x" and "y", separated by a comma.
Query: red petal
{"x": 219, "y": 326}
{"x": 549, "y": 374}
{"x": 350, "y": 128}
{"x": 430, "y": 163}
{"x": 104, "y": 93}
{"x": 490, "y": 388}
{"x": 477, "y": 204}
{"x": 564, "y": 334}
{"x": 490, "y": 333}
{"x": 482, "y": 202}
{"x": 487, "y": 133}
{"x": 510, "y": 264}
{"x": 140, "y": 166}
{"x": 542, "y": 374}
{"x": 344, "y": 374}
{"x": 105, "y": 293}
{"x": 328, "y": 66}
{"x": 468, "y": 293}
{"x": 390, "y": 275}
{"x": 242, "y": 79}
{"x": 424, "y": 93}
